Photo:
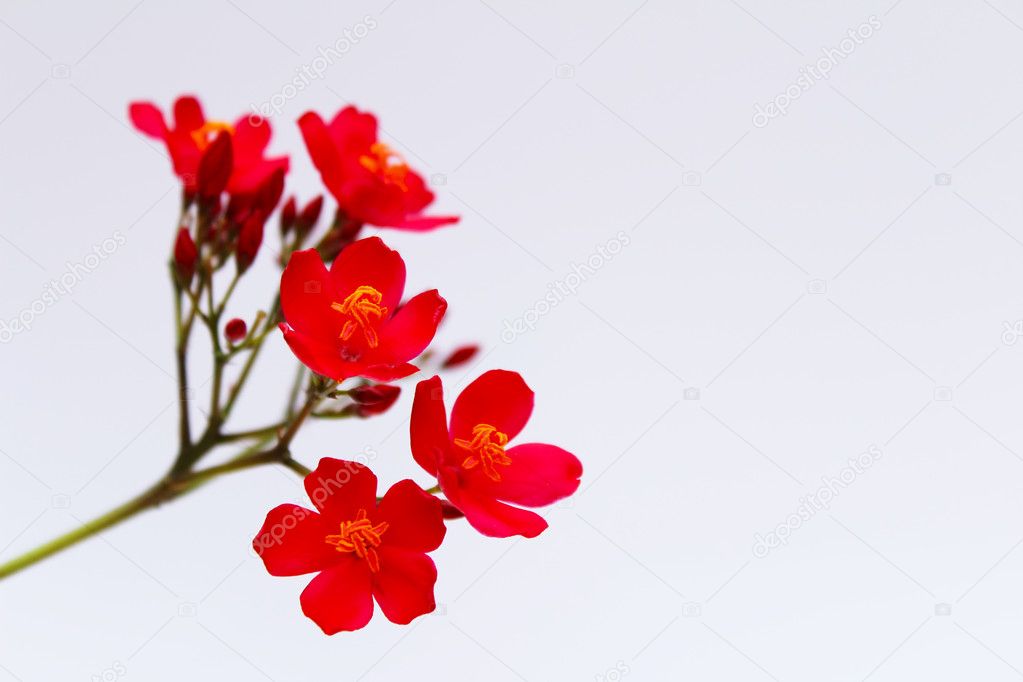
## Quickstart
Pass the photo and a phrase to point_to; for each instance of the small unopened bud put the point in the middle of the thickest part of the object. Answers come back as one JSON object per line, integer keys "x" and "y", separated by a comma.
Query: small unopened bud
{"x": 450, "y": 511}
{"x": 288, "y": 213}
{"x": 185, "y": 256}
{"x": 250, "y": 238}
{"x": 375, "y": 399}
{"x": 235, "y": 330}
{"x": 269, "y": 193}
{"x": 460, "y": 356}
{"x": 306, "y": 220}
{"x": 215, "y": 167}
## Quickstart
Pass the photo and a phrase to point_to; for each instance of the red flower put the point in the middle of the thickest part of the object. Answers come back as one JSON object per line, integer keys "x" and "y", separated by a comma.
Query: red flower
{"x": 476, "y": 470}
{"x": 361, "y": 549}
{"x": 346, "y": 322}
{"x": 192, "y": 134}
{"x": 460, "y": 356}
{"x": 371, "y": 183}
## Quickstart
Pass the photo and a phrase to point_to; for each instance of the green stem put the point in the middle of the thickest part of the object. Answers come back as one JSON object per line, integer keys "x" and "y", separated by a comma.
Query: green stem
{"x": 149, "y": 498}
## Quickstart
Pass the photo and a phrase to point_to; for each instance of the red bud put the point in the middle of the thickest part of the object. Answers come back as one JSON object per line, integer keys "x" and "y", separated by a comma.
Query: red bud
{"x": 288, "y": 212}
{"x": 215, "y": 167}
{"x": 185, "y": 256}
{"x": 235, "y": 330}
{"x": 450, "y": 511}
{"x": 270, "y": 192}
{"x": 309, "y": 215}
{"x": 250, "y": 238}
{"x": 460, "y": 356}
{"x": 375, "y": 399}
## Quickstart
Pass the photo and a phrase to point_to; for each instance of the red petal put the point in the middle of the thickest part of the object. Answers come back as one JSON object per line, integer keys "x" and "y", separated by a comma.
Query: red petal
{"x": 188, "y": 114}
{"x": 321, "y": 149}
{"x": 539, "y": 474}
{"x": 341, "y": 598}
{"x": 488, "y": 516}
{"x": 340, "y": 488}
{"x": 424, "y": 223}
{"x": 404, "y": 585}
{"x": 319, "y": 357}
{"x": 428, "y": 428}
{"x": 499, "y": 398}
{"x": 415, "y": 519}
{"x": 251, "y": 136}
{"x": 147, "y": 118}
{"x": 353, "y": 131}
{"x": 307, "y": 293}
{"x": 370, "y": 262}
{"x": 292, "y": 541}
{"x": 412, "y": 329}
{"x": 382, "y": 372}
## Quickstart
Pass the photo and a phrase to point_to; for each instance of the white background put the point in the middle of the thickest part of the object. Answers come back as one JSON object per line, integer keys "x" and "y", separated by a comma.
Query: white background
{"x": 814, "y": 280}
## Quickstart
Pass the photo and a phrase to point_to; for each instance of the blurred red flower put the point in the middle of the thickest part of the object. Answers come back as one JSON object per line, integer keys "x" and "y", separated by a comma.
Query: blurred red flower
{"x": 371, "y": 183}
{"x": 192, "y": 134}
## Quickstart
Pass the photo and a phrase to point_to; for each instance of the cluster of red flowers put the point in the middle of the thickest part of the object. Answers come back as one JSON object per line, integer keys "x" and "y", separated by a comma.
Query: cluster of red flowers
{"x": 348, "y": 321}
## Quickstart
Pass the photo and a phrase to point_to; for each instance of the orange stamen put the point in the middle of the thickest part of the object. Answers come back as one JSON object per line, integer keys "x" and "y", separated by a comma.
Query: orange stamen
{"x": 486, "y": 448}
{"x": 363, "y": 309}
{"x": 385, "y": 162}
{"x": 208, "y": 132}
{"x": 360, "y": 536}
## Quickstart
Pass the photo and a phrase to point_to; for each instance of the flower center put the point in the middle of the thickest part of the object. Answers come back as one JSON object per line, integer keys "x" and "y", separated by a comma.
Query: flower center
{"x": 364, "y": 311}
{"x": 208, "y": 132}
{"x": 486, "y": 448}
{"x": 384, "y": 161}
{"x": 360, "y": 536}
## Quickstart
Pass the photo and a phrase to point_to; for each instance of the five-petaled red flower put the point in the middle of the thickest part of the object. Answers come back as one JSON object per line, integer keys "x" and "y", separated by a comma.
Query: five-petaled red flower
{"x": 361, "y": 549}
{"x": 371, "y": 183}
{"x": 347, "y": 322}
{"x": 192, "y": 134}
{"x": 476, "y": 469}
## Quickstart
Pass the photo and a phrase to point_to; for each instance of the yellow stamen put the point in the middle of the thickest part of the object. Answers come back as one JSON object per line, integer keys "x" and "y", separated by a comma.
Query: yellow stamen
{"x": 487, "y": 448}
{"x": 363, "y": 309}
{"x": 360, "y": 536}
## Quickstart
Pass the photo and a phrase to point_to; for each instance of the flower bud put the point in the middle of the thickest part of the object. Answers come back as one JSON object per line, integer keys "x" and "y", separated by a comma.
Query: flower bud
{"x": 269, "y": 193}
{"x": 306, "y": 220}
{"x": 250, "y": 238}
{"x": 450, "y": 511}
{"x": 460, "y": 356}
{"x": 215, "y": 167}
{"x": 374, "y": 399}
{"x": 236, "y": 330}
{"x": 288, "y": 214}
{"x": 185, "y": 256}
